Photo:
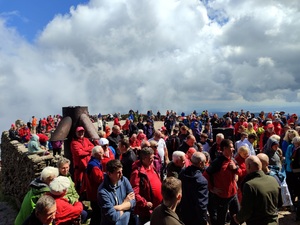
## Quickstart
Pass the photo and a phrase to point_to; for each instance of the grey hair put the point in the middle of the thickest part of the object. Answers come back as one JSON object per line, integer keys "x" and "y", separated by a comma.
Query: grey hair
{"x": 62, "y": 161}
{"x": 177, "y": 155}
{"x": 220, "y": 135}
{"x": 96, "y": 150}
{"x": 198, "y": 157}
{"x": 45, "y": 202}
{"x": 296, "y": 140}
{"x": 140, "y": 131}
{"x": 48, "y": 172}
{"x": 59, "y": 185}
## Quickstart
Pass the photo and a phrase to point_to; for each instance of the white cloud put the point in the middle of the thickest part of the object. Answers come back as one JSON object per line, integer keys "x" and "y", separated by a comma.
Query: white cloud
{"x": 265, "y": 61}
{"x": 181, "y": 55}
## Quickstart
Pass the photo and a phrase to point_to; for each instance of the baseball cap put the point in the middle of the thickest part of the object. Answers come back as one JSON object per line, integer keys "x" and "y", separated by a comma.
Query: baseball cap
{"x": 103, "y": 141}
{"x": 79, "y": 129}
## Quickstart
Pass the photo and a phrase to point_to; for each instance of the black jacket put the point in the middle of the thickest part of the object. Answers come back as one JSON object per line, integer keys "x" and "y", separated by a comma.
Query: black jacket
{"x": 128, "y": 158}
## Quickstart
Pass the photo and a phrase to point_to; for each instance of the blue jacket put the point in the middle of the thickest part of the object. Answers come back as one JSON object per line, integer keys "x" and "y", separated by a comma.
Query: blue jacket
{"x": 33, "y": 144}
{"x": 194, "y": 196}
{"x": 288, "y": 157}
{"x": 109, "y": 196}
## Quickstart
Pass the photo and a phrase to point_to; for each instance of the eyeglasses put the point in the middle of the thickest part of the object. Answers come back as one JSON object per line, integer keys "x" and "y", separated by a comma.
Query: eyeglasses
{"x": 155, "y": 146}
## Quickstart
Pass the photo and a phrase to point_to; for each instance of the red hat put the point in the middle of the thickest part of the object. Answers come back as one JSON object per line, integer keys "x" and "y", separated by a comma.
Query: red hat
{"x": 270, "y": 125}
{"x": 163, "y": 128}
{"x": 79, "y": 129}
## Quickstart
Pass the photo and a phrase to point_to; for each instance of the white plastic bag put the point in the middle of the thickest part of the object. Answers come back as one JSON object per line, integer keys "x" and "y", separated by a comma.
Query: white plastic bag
{"x": 285, "y": 194}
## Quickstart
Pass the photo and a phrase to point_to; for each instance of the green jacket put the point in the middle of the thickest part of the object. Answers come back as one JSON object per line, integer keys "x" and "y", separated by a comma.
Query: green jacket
{"x": 260, "y": 200}
{"x": 72, "y": 194}
{"x": 37, "y": 188}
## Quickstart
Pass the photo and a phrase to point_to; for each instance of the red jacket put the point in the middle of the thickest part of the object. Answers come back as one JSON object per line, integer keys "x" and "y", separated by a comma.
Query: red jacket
{"x": 126, "y": 125}
{"x": 221, "y": 178}
{"x": 277, "y": 128}
{"x": 236, "y": 126}
{"x": 116, "y": 122}
{"x": 142, "y": 189}
{"x": 81, "y": 151}
{"x": 264, "y": 138}
{"x": 135, "y": 143}
{"x": 43, "y": 137}
{"x": 24, "y": 133}
{"x": 94, "y": 179}
{"x": 106, "y": 159}
{"x": 241, "y": 162}
{"x": 65, "y": 212}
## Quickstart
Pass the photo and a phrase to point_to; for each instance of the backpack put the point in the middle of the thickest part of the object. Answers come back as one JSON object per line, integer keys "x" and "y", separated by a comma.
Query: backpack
{"x": 172, "y": 144}
{"x": 274, "y": 171}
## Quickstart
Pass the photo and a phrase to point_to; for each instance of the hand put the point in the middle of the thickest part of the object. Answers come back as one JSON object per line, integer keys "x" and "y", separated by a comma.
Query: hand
{"x": 216, "y": 191}
{"x": 232, "y": 165}
{"x": 129, "y": 197}
{"x": 235, "y": 220}
{"x": 167, "y": 161}
{"x": 149, "y": 205}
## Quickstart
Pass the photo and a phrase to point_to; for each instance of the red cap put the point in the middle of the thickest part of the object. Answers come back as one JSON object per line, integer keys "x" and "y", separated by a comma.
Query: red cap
{"x": 79, "y": 129}
{"x": 163, "y": 128}
{"x": 270, "y": 125}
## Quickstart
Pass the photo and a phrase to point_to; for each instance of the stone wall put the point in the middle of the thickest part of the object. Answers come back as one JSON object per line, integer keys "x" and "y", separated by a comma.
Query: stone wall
{"x": 19, "y": 168}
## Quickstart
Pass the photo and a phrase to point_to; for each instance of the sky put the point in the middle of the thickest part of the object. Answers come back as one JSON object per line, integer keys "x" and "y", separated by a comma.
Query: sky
{"x": 113, "y": 56}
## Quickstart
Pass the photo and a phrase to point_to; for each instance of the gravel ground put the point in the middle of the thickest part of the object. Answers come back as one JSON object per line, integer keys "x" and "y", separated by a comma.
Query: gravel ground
{"x": 7, "y": 214}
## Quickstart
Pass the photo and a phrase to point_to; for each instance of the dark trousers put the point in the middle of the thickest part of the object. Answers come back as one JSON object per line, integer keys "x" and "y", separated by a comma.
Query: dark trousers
{"x": 297, "y": 193}
{"x": 143, "y": 220}
{"x": 96, "y": 213}
{"x": 218, "y": 208}
{"x": 291, "y": 183}
{"x": 56, "y": 150}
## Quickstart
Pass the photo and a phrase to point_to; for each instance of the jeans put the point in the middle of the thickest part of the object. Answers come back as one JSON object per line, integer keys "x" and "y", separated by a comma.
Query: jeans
{"x": 218, "y": 208}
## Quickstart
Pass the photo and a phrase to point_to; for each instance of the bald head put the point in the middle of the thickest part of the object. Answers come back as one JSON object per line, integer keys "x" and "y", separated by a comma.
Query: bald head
{"x": 253, "y": 164}
{"x": 198, "y": 159}
{"x": 264, "y": 161}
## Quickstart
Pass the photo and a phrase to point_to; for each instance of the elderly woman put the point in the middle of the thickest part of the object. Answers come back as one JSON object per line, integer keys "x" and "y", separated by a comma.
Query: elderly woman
{"x": 287, "y": 140}
{"x": 272, "y": 150}
{"x": 38, "y": 187}
{"x": 66, "y": 212}
{"x": 242, "y": 154}
{"x": 63, "y": 166}
{"x": 290, "y": 179}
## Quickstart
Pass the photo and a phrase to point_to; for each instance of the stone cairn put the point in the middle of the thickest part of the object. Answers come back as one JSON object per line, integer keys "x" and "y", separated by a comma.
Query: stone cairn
{"x": 19, "y": 168}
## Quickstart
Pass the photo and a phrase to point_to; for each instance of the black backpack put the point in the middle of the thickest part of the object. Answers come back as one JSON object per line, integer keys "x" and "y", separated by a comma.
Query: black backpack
{"x": 172, "y": 144}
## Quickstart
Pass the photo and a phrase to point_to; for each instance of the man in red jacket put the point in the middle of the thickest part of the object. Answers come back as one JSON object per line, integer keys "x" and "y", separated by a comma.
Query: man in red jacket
{"x": 146, "y": 185}
{"x": 221, "y": 177}
{"x": 81, "y": 149}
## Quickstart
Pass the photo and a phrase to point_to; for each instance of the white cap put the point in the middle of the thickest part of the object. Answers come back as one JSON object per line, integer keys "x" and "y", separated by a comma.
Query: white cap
{"x": 103, "y": 141}
{"x": 59, "y": 185}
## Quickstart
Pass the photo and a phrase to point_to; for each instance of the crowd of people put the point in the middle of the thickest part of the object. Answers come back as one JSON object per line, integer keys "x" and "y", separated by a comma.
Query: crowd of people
{"x": 189, "y": 171}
